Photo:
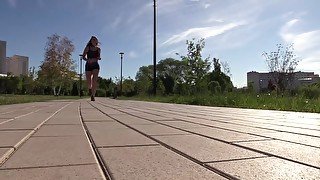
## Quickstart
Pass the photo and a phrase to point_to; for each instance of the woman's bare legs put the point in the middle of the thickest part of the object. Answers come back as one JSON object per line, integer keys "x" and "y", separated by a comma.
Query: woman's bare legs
{"x": 94, "y": 81}
{"x": 89, "y": 81}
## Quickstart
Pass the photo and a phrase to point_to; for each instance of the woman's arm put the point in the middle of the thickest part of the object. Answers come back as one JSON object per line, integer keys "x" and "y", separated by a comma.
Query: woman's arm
{"x": 85, "y": 51}
{"x": 99, "y": 57}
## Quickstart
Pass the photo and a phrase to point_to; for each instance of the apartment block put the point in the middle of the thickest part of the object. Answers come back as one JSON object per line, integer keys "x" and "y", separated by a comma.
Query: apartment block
{"x": 260, "y": 81}
{"x": 16, "y": 65}
{"x": 3, "y": 45}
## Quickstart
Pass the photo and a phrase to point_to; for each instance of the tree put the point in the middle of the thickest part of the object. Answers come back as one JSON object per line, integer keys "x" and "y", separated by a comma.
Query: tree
{"x": 219, "y": 81}
{"x": 144, "y": 79}
{"x": 226, "y": 68}
{"x": 195, "y": 67}
{"x": 170, "y": 72}
{"x": 58, "y": 68}
{"x": 129, "y": 88}
{"x": 281, "y": 64}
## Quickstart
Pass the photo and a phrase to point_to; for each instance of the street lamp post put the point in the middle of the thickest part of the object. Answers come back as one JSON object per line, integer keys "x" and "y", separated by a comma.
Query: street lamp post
{"x": 80, "y": 75}
{"x": 154, "y": 47}
{"x": 121, "y": 57}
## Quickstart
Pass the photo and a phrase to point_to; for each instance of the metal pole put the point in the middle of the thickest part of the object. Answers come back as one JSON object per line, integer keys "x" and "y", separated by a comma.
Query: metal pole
{"x": 154, "y": 48}
{"x": 80, "y": 75}
{"x": 121, "y": 56}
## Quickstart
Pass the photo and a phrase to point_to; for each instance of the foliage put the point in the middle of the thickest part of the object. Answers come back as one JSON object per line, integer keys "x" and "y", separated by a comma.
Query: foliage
{"x": 9, "y": 85}
{"x": 57, "y": 69}
{"x": 311, "y": 91}
{"x": 144, "y": 79}
{"x": 195, "y": 67}
{"x": 282, "y": 62}
{"x": 128, "y": 87}
{"x": 219, "y": 81}
{"x": 169, "y": 72}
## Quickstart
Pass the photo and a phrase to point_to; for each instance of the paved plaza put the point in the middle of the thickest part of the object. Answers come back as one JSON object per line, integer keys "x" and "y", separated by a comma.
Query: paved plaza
{"x": 117, "y": 139}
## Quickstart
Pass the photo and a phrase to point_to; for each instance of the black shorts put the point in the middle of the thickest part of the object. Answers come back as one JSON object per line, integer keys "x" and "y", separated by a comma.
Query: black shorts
{"x": 92, "y": 66}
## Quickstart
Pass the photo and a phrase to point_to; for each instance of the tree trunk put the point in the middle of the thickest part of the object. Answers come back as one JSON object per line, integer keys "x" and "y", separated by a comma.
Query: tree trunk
{"x": 59, "y": 90}
{"x": 54, "y": 90}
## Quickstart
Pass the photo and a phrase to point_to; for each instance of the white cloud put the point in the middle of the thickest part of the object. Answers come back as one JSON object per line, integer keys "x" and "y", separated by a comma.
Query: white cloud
{"x": 116, "y": 22}
{"x": 306, "y": 45}
{"x": 140, "y": 12}
{"x": 207, "y": 5}
{"x": 205, "y": 32}
{"x": 171, "y": 53}
{"x": 12, "y": 3}
{"x": 132, "y": 54}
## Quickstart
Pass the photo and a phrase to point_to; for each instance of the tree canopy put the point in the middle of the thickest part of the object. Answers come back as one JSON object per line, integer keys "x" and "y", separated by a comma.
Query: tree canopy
{"x": 58, "y": 68}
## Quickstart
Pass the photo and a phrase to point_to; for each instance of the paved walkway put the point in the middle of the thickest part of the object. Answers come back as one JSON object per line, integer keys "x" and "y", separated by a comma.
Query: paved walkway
{"x": 113, "y": 139}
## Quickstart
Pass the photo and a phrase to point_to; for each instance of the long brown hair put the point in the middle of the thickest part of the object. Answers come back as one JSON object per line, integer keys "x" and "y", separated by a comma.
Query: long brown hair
{"x": 89, "y": 43}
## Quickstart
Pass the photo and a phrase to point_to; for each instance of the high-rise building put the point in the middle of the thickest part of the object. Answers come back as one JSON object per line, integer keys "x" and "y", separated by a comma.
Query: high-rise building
{"x": 3, "y": 45}
{"x": 17, "y": 65}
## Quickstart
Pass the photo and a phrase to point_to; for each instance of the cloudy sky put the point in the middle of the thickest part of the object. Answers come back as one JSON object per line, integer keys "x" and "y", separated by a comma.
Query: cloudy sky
{"x": 235, "y": 31}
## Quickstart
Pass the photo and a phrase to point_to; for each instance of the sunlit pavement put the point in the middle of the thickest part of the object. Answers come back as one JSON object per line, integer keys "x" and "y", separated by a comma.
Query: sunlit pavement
{"x": 114, "y": 139}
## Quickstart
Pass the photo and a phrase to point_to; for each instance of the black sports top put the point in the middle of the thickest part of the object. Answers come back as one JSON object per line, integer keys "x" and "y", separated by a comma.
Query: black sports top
{"x": 93, "y": 54}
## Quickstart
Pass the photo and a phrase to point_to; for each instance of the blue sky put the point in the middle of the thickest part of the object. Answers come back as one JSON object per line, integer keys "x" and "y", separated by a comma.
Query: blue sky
{"x": 235, "y": 31}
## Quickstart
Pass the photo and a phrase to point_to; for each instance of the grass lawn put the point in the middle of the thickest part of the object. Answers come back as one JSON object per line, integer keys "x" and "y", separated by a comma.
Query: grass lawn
{"x": 241, "y": 100}
{"x": 15, "y": 99}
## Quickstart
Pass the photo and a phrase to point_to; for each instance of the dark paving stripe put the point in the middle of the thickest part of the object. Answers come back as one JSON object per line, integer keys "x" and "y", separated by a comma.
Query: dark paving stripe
{"x": 138, "y": 145}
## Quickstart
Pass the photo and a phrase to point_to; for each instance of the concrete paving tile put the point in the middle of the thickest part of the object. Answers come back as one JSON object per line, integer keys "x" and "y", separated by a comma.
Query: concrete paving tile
{"x": 22, "y": 124}
{"x": 11, "y": 138}
{"x": 128, "y": 119}
{"x": 298, "y": 138}
{"x": 104, "y": 136}
{"x": 226, "y": 135}
{"x": 157, "y": 129}
{"x": 92, "y": 114}
{"x": 65, "y": 118}
{"x": 52, "y": 107}
{"x": 68, "y": 115}
{"x": 32, "y": 120}
{"x": 83, "y": 172}
{"x": 4, "y": 152}
{"x": 2, "y": 121}
{"x": 51, "y": 151}
{"x": 105, "y": 119}
{"x": 296, "y": 130}
{"x": 8, "y": 116}
{"x": 60, "y": 130}
{"x": 152, "y": 163}
{"x": 108, "y": 110}
{"x": 267, "y": 168}
{"x": 272, "y": 124}
{"x": 205, "y": 149}
{"x": 288, "y": 150}
{"x": 240, "y": 128}
{"x": 105, "y": 126}
{"x": 183, "y": 125}
{"x": 149, "y": 116}
{"x": 127, "y": 110}
{"x": 17, "y": 111}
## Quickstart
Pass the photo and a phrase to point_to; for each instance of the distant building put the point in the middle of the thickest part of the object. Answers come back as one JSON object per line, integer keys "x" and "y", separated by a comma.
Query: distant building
{"x": 16, "y": 65}
{"x": 3, "y": 45}
{"x": 261, "y": 81}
